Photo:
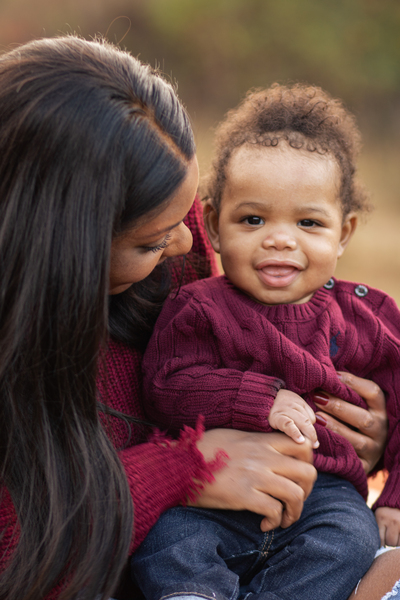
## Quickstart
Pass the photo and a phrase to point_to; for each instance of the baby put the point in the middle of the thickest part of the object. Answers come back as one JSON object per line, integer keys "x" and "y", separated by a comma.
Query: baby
{"x": 250, "y": 350}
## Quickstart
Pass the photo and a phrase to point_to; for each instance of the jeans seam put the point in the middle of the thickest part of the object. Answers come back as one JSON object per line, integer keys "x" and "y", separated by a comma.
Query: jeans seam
{"x": 175, "y": 594}
{"x": 264, "y": 551}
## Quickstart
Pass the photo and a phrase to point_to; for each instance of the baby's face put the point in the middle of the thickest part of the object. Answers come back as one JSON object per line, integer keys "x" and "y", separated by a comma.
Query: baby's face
{"x": 280, "y": 228}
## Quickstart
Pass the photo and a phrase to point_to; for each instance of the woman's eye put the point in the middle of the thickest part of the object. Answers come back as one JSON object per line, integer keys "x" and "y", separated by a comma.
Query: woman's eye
{"x": 160, "y": 246}
{"x": 308, "y": 223}
{"x": 252, "y": 220}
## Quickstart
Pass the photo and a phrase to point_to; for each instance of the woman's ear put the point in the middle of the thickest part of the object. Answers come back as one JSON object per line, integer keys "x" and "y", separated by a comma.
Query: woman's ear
{"x": 348, "y": 228}
{"x": 210, "y": 216}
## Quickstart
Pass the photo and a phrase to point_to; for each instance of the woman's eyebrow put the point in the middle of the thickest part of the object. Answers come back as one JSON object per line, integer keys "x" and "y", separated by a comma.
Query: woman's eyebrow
{"x": 158, "y": 233}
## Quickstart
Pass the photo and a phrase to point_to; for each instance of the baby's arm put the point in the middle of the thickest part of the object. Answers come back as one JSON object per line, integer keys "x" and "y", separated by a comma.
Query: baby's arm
{"x": 292, "y": 415}
{"x": 192, "y": 366}
{"x": 388, "y": 520}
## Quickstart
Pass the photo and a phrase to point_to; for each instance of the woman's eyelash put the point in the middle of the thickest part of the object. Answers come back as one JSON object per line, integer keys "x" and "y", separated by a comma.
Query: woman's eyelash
{"x": 161, "y": 246}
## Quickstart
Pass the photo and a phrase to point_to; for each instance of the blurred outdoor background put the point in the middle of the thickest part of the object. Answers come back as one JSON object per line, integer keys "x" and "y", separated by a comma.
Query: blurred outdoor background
{"x": 217, "y": 49}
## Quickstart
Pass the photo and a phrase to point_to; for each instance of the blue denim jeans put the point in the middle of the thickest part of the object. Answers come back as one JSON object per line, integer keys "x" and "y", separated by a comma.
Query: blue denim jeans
{"x": 223, "y": 555}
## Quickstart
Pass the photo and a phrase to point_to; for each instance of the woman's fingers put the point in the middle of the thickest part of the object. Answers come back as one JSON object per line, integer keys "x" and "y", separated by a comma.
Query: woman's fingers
{"x": 285, "y": 511}
{"x": 366, "y": 448}
{"x": 291, "y": 475}
{"x": 285, "y": 446}
{"x": 266, "y": 473}
{"x": 367, "y": 389}
{"x": 281, "y": 506}
{"x": 371, "y": 425}
{"x": 349, "y": 413}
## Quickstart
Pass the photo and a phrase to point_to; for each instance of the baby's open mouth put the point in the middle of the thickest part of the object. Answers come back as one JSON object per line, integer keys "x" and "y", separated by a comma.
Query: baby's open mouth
{"x": 278, "y": 271}
{"x": 278, "y": 275}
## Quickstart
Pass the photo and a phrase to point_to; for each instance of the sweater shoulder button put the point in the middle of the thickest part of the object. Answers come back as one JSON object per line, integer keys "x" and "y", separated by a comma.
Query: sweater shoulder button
{"x": 330, "y": 284}
{"x": 361, "y": 290}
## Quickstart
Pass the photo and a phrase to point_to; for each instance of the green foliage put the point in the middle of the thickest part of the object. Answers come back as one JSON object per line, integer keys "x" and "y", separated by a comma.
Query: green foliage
{"x": 353, "y": 42}
{"x": 218, "y": 49}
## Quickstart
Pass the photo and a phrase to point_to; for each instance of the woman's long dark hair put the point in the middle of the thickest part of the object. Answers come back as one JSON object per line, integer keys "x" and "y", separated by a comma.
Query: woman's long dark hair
{"x": 91, "y": 141}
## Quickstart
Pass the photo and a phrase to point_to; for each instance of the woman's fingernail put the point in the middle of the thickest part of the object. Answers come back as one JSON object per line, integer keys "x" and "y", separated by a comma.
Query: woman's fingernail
{"x": 320, "y": 398}
{"x": 320, "y": 420}
{"x": 339, "y": 375}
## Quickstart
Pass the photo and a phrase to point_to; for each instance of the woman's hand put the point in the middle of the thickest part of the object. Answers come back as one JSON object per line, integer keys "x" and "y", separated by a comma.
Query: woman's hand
{"x": 371, "y": 425}
{"x": 266, "y": 473}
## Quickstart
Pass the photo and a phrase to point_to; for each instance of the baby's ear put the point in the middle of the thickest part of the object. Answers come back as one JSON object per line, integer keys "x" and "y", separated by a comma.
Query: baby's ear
{"x": 211, "y": 224}
{"x": 348, "y": 228}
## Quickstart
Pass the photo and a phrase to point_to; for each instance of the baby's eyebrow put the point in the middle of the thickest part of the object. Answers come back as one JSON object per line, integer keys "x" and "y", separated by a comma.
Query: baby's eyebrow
{"x": 265, "y": 206}
{"x": 252, "y": 205}
{"x": 313, "y": 209}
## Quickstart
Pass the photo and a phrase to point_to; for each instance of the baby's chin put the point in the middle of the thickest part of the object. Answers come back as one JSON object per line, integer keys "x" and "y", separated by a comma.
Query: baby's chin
{"x": 277, "y": 299}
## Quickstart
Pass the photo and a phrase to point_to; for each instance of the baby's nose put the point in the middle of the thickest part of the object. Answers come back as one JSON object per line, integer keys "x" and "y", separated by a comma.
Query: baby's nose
{"x": 281, "y": 240}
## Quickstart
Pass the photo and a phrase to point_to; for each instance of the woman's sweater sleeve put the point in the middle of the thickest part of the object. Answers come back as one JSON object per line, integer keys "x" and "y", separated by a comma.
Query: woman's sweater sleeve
{"x": 192, "y": 367}
{"x": 8, "y": 528}
{"x": 164, "y": 473}
{"x": 161, "y": 474}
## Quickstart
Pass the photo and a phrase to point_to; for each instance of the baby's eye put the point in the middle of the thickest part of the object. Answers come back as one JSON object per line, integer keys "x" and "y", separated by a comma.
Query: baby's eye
{"x": 308, "y": 223}
{"x": 253, "y": 220}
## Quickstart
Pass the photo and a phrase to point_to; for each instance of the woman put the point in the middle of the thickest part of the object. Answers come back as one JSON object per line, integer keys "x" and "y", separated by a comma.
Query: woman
{"x": 97, "y": 172}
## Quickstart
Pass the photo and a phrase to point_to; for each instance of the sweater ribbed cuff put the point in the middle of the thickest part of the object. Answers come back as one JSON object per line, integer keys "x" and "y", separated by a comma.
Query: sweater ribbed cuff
{"x": 254, "y": 400}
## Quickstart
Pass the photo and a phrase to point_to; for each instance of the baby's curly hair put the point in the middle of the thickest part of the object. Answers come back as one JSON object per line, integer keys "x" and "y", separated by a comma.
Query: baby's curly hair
{"x": 305, "y": 117}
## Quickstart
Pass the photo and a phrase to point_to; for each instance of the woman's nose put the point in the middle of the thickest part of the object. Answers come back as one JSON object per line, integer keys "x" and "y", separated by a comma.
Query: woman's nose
{"x": 181, "y": 242}
{"x": 281, "y": 240}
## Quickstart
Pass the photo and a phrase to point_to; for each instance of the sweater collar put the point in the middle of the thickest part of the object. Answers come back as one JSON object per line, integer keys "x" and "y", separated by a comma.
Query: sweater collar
{"x": 287, "y": 312}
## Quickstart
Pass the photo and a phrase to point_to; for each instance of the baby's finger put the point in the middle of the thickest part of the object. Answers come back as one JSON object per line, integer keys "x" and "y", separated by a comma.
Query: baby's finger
{"x": 391, "y": 536}
{"x": 382, "y": 533}
{"x": 288, "y": 426}
{"x": 303, "y": 421}
{"x": 309, "y": 430}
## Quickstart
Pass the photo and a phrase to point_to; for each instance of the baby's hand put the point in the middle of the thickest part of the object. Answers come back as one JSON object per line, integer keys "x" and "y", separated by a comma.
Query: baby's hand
{"x": 388, "y": 520}
{"x": 292, "y": 415}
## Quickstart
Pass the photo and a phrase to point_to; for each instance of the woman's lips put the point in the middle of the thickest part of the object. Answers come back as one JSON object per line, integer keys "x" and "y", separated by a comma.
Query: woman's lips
{"x": 278, "y": 275}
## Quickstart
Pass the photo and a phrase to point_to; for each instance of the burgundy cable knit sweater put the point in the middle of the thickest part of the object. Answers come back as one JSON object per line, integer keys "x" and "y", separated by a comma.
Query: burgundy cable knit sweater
{"x": 218, "y": 353}
{"x": 160, "y": 475}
